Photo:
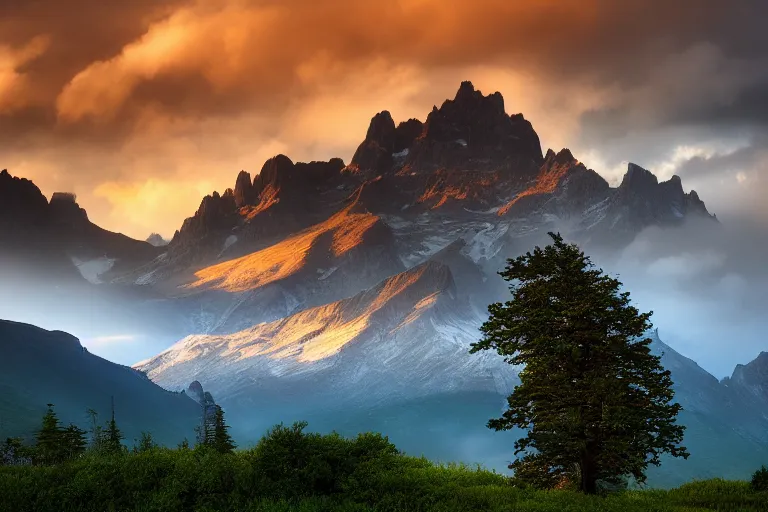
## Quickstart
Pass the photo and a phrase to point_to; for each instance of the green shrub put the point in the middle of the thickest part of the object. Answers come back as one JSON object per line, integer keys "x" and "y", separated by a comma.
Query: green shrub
{"x": 760, "y": 479}
{"x": 293, "y": 470}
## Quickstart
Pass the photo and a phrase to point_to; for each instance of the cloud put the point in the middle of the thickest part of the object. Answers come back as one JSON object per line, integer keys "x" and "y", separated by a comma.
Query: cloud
{"x": 16, "y": 87}
{"x": 707, "y": 286}
{"x": 175, "y": 91}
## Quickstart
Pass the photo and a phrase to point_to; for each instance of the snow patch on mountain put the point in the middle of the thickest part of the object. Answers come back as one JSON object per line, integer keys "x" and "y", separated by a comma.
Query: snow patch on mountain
{"x": 92, "y": 269}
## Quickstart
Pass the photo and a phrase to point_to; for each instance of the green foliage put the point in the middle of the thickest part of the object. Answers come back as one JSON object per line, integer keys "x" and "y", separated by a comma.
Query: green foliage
{"x": 145, "y": 443}
{"x": 221, "y": 440}
{"x": 112, "y": 438}
{"x": 74, "y": 441}
{"x": 596, "y": 404}
{"x": 318, "y": 473}
{"x": 291, "y": 462}
{"x": 760, "y": 479}
{"x": 13, "y": 452}
{"x": 49, "y": 440}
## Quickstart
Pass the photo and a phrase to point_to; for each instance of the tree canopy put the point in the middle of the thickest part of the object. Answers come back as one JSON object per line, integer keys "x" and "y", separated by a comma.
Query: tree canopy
{"x": 596, "y": 403}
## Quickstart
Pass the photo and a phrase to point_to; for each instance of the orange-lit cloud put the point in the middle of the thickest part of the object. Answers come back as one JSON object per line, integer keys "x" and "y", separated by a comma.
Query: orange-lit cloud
{"x": 16, "y": 88}
{"x": 128, "y": 102}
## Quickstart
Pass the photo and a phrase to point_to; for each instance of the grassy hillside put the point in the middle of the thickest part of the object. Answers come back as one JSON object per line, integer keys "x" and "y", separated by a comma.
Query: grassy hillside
{"x": 293, "y": 470}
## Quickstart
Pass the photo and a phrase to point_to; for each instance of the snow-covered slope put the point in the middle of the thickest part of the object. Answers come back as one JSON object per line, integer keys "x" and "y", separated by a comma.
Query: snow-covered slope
{"x": 406, "y": 337}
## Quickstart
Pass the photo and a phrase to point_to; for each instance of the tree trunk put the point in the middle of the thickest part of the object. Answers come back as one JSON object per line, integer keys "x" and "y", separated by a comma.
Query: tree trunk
{"x": 588, "y": 475}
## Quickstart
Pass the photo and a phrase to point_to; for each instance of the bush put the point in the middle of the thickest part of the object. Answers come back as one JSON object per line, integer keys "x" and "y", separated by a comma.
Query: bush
{"x": 760, "y": 479}
{"x": 289, "y": 462}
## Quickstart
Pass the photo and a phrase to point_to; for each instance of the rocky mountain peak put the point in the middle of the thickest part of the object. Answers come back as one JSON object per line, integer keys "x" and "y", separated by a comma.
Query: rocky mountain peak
{"x": 65, "y": 210}
{"x": 375, "y": 152}
{"x": 244, "y": 192}
{"x": 753, "y": 376}
{"x": 21, "y": 201}
{"x": 276, "y": 170}
{"x": 637, "y": 179}
{"x": 473, "y": 131}
{"x": 156, "y": 240}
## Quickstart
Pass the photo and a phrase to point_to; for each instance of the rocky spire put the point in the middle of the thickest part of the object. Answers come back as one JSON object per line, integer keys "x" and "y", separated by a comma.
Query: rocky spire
{"x": 244, "y": 193}
{"x": 375, "y": 152}
{"x": 472, "y": 129}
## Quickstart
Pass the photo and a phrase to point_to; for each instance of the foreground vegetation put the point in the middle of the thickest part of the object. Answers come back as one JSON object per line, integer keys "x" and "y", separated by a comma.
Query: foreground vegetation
{"x": 290, "y": 469}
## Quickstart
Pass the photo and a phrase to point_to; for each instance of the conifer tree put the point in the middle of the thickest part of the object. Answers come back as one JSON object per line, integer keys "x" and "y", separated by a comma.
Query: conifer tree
{"x": 96, "y": 431}
{"x": 112, "y": 435}
{"x": 222, "y": 441}
{"x": 74, "y": 441}
{"x": 596, "y": 404}
{"x": 50, "y": 442}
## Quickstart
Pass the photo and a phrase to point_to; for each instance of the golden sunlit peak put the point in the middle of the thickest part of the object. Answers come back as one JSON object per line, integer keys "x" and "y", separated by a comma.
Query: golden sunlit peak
{"x": 289, "y": 256}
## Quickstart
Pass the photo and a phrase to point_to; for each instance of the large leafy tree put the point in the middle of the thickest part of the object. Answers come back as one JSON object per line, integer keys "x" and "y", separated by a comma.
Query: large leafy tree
{"x": 596, "y": 404}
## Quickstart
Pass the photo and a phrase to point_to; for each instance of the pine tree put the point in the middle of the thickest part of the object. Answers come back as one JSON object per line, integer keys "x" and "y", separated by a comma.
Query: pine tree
{"x": 50, "y": 443}
{"x": 222, "y": 441}
{"x": 596, "y": 403}
{"x": 74, "y": 441}
{"x": 112, "y": 435}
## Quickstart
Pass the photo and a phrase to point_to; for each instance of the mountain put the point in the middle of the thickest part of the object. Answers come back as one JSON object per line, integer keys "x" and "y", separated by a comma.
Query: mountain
{"x": 38, "y": 367}
{"x": 157, "y": 240}
{"x": 410, "y": 331}
{"x": 300, "y": 235}
{"x": 56, "y": 237}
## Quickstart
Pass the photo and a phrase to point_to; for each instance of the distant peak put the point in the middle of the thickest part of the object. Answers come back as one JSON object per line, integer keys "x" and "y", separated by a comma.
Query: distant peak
{"x": 64, "y": 197}
{"x": 465, "y": 88}
{"x": 563, "y": 157}
{"x": 637, "y": 177}
{"x": 382, "y": 129}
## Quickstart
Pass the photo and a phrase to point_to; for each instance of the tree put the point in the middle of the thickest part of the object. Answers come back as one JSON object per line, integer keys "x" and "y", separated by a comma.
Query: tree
{"x": 146, "y": 443}
{"x": 596, "y": 404}
{"x": 221, "y": 441}
{"x": 74, "y": 441}
{"x": 50, "y": 445}
{"x": 97, "y": 432}
{"x": 112, "y": 435}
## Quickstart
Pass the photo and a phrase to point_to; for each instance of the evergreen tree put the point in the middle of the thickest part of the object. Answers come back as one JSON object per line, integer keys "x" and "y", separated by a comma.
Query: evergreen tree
{"x": 596, "y": 404}
{"x": 221, "y": 440}
{"x": 96, "y": 431}
{"x": 74, "y": 441}
{"x": 112, "y": 435}
{"x": 50, "y": 443}
{"x": 145, "y": 443}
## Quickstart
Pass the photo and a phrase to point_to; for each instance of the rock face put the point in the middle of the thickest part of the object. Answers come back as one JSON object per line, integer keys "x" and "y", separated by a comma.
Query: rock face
{"x": 43, "y": 238}
{"x": 752, "y": 378}
{"x": 156, "y": 240}
{"x": 473, "y": 131}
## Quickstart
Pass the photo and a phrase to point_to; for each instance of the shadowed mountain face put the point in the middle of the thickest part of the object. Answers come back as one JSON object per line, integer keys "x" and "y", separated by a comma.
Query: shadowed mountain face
{"x": 56, "y": 237}
{"x": 38, "y": 367}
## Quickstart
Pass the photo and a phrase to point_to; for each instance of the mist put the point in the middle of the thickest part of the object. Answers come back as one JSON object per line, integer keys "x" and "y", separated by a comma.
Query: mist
{"x": 706, "y": 284}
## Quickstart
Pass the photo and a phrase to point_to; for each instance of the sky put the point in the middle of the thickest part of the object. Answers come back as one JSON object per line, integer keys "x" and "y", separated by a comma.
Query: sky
{"x": 142, "y": 107}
